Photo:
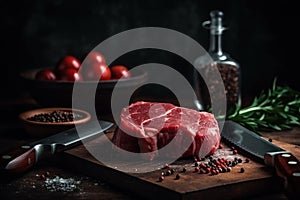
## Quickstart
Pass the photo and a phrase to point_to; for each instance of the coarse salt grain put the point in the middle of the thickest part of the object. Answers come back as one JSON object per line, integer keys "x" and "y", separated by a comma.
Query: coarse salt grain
{"x": 59, "y": 184}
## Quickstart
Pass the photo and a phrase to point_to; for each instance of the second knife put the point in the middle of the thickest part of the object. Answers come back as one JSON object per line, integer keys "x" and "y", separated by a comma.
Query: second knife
{"x": 26, "y": 156}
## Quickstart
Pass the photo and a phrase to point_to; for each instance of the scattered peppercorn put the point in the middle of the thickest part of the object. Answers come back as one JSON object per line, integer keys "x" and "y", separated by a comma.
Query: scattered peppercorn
{"x": 166, "y": 166}
{"x": 234, "y": 163}
{"x": 213, "y": 172}
{"x": 270, "y": 140}
{"x": 242, "y": 170}
{"x": 210, "y": 165}
{"x": 223, "y": 169}
{"x": 161, "y": 178}
{"x": 172, "y": 171}
{"x": 207, "y": 170}
{"x": 202, "y": 165}
{"x": 168, "y": 173}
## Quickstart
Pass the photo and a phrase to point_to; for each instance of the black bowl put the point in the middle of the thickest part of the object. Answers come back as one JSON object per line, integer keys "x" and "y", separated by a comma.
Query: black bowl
{"x": 59, "y": 93}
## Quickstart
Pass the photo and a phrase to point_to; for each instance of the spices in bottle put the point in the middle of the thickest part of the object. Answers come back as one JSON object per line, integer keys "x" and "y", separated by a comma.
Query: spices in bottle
{"x": 228, "y": 68}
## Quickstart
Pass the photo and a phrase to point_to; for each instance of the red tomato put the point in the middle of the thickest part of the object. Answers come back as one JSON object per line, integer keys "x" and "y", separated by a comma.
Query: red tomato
{"x": 95, "y": 57}
{"x": 46, "y": 74}
{"x": 70, "y": 75}
{"x": 119, "y": 71}
{"x": 95, "y": 72}
{"x": 68, "y": 62}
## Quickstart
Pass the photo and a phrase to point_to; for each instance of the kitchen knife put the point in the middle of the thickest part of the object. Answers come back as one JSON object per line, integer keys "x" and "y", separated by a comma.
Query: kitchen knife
{"x": 26, "y": 156}
{"x": 287, "y": 165}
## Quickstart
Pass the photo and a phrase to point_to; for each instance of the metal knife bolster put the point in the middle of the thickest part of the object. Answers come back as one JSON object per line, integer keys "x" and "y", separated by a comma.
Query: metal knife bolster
{"x": 24, "y": 157}
{"x": 269, "y": 157}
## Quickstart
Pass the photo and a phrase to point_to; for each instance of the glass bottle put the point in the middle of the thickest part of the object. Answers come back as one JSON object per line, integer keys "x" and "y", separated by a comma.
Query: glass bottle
{"x": 229, "y": 69}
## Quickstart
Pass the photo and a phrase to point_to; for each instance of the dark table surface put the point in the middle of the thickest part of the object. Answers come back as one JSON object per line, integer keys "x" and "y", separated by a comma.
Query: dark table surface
{"x": 31, "y": 185}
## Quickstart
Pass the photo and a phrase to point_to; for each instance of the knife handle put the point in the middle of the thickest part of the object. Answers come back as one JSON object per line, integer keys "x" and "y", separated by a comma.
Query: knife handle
{"x": 18, "y": 160}
{"x": 288, "y": 167}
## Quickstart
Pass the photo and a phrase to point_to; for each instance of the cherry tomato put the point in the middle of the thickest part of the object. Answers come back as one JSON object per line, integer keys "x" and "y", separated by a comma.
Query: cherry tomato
{"x": 68, "y": 62}
{"x": 95, "y": 57}
{"x": 95, "y": 72}
{"x": 46, "y": 74}
{"x": 119, "y": 71}
{"x": 70, "y": 75}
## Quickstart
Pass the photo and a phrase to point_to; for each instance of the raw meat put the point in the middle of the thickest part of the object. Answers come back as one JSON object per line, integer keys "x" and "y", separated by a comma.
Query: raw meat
{"x": 150, "y": 126}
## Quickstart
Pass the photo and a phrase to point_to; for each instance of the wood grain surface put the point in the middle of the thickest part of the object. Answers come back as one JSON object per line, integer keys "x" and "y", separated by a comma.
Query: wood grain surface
{"x": 257, "y": 179}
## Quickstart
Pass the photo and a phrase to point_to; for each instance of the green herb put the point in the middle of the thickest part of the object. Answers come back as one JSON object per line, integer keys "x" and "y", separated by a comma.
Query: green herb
{"x": 277, "y": 109}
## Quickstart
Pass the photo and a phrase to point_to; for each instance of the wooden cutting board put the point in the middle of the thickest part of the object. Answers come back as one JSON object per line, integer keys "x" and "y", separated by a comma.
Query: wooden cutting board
{"x": 257, "y": 179}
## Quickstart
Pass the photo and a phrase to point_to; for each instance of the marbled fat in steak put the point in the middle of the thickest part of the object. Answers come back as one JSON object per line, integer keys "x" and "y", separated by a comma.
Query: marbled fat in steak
{"x": 149, "y": 126}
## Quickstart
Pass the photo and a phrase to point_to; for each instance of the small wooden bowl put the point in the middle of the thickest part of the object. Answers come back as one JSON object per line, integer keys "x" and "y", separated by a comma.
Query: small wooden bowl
{"x": 42, "y": 129}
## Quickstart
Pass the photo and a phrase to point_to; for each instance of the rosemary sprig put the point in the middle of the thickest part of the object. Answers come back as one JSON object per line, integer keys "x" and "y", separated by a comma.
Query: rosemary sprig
{"x": 277, "y": 109}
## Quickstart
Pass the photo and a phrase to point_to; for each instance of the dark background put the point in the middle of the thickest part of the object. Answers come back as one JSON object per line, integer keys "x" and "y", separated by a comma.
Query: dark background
{"x": 262, "y": 35}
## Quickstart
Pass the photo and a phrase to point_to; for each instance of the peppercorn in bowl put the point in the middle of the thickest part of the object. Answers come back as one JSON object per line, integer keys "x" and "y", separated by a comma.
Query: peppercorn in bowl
{"x": 47, "y": 121}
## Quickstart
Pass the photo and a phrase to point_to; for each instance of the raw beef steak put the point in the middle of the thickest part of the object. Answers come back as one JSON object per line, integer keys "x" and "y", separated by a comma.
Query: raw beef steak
{"x": 167, "y": 130}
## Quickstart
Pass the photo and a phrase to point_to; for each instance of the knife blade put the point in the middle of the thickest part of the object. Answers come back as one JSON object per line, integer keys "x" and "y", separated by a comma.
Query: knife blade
{"x": 26, "y": 156}
{"x": 286, "y": 165}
